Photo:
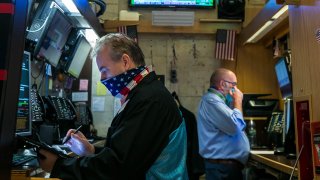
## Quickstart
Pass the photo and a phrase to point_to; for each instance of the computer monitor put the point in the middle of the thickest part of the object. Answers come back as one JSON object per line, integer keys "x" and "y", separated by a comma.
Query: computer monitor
{"x": 39, "y": 18}
{"x": 78, "y": 56}
{"x": 23, "y": 124}
{"x": 55, "y": 34}
{"x": 284, "y": 77}
{"x": 289, "y": 130}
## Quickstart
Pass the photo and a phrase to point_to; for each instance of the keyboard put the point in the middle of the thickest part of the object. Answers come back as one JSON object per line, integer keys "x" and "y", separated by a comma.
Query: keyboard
{"x": 18, "y": 160}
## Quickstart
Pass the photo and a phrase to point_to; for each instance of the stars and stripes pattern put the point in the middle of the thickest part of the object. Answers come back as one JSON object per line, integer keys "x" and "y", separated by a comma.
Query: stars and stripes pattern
{"x": 121, "y": 85}
{"x": 318, "y": 35}
{"x": 226, "y": 44}
{"x": 130, "y": 31}
{"x": 135, "y": 81}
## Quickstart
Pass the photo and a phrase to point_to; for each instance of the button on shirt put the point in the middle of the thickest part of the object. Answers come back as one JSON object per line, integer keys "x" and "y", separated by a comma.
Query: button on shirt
{"x": 221, "y": 130}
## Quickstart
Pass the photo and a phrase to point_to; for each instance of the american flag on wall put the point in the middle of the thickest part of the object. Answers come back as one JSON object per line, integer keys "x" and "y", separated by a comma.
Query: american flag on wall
{"x": 318, "y": 35}
{"x": 130, "y": 31}
{"x": 226, "y": 44}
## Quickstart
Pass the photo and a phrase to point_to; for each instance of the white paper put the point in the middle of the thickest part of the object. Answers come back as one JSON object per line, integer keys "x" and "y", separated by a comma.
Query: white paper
{"x": 80, "y": 96}
{"x": 98, "y": 103}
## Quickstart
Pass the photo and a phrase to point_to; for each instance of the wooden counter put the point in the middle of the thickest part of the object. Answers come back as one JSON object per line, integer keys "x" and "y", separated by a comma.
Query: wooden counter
{"x": 273, "y": 164}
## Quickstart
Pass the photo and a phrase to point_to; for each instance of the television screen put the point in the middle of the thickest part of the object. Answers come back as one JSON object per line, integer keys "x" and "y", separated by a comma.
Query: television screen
{"x": 23, "y": 124}
{"x": 173, "y": 3}
{"x": 78, "y": 56}
{"x": 284, "y": 77}
{"x": 51, "y": 43}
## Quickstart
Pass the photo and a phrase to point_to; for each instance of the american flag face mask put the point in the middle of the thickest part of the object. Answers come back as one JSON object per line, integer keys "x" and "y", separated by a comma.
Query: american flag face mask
{"x": 121, "y": 84}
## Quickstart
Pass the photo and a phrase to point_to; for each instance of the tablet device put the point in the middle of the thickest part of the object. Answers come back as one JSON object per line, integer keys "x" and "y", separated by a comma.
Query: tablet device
{"x": 40, "y": 145}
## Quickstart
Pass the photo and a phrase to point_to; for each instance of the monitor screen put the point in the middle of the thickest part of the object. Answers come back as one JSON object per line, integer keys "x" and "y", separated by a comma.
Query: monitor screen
{"x": 283, "y": 77}
{"x": 23, "y": 124}
{"x": 173, "y": 3}
{"x": 289, "y": 130}
{"x": 39, "y": 19}
{"x": 288, "y": 115}
{"x": 78, "y": 56}
{"x": 54, "y": 37}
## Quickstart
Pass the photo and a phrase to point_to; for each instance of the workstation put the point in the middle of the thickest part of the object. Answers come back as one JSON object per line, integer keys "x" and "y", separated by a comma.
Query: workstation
{"x": 58, "y": 85}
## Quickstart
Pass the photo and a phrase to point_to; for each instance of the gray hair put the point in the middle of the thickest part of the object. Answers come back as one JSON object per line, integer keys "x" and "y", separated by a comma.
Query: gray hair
{"x": 119, "y": 44}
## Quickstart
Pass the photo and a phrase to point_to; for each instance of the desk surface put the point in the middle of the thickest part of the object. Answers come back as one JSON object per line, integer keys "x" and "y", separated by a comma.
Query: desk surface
{"x": 31, "y": 170}
{"x": 278, "y": 162}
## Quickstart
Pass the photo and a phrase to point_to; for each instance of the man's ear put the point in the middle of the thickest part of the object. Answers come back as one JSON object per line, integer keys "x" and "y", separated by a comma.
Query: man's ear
{"x": 126, "y": 61}
{"x": 222, "y": 84}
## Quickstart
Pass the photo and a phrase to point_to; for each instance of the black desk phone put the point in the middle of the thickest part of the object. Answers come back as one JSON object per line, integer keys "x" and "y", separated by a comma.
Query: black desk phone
{"x": 37, "y": 109}
{"x": 51, "y": 108}
{"x": 59, "y": 109}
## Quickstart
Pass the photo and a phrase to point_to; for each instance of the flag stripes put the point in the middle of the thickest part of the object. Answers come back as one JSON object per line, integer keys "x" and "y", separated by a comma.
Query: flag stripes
{"x": 226, "y": 44}
{"x": 318, "y": 35}
{"x": 130, "y": 31}
{"x": 122, "y": 29}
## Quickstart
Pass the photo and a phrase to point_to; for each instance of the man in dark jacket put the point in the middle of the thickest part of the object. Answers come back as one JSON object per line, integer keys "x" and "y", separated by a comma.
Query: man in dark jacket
{"x": 147, "y": 138}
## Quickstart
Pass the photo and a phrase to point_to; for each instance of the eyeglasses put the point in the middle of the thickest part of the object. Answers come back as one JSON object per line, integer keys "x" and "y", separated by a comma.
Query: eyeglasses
{"x": 233, "y": 83}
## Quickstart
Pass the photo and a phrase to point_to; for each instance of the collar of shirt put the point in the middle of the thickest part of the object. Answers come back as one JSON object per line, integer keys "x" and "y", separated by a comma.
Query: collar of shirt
{"x": 216, "y": 92}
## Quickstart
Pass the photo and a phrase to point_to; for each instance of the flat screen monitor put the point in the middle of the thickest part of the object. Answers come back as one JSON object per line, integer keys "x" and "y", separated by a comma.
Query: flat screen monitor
{"x": 288, "y": 115}
{"x": 284, "y": 77}
{"x": 51, "y": 43}
{"x": 289, "y": 130}
{"x": 173, "y": 3}
{"x": 23, "y": 124}
{"x": 39, "y": 18}
{"x": 78, "y": 56}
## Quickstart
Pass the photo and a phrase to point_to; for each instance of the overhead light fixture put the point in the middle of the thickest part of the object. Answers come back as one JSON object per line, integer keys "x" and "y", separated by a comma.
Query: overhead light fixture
{"x": 275, "y": 20}
{"x": 91, "y": 36}
{"x": 70, "y": 6}
{"x": 257, "y": 35}
{"x": 280, "y": 12}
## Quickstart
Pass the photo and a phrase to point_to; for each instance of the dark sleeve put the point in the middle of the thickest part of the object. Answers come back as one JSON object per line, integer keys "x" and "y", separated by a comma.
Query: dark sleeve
{"x": 135, "y": 144}
{"x": 195, "y": 162}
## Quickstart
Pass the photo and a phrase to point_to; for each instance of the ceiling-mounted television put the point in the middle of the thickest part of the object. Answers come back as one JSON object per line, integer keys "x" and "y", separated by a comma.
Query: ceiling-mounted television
{"x": 173, "y": 3}
{"x": 78, "y": 56}
{"x": 50, "y": 42}
{"x": 284, "y": 77}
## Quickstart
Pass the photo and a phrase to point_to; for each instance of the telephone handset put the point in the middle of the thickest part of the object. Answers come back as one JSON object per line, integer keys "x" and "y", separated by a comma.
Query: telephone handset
{"x": 84, "y": 114}
{"x": 37, "y": 106}
{"x": 276, "y": 123}
{"x": 59, "y": 109}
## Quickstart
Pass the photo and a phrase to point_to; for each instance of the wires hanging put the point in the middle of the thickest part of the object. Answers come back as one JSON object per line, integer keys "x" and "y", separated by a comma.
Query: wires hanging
{"x": 173, "y": 71}
{"x": 102, "y": 6}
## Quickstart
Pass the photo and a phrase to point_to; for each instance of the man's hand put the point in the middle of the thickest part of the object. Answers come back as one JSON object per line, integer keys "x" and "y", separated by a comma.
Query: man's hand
{"x": 79, "y": 143}
{"x": 237, "y": 97}
{"x": 46, "y": 160}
